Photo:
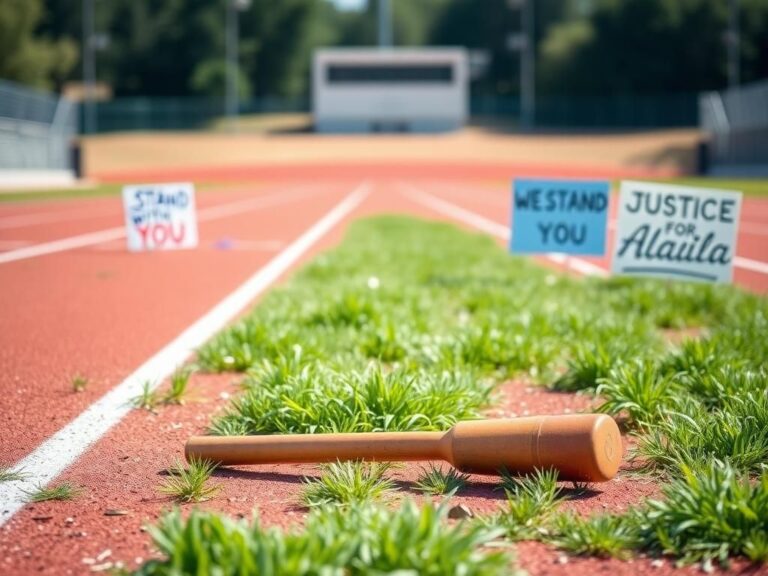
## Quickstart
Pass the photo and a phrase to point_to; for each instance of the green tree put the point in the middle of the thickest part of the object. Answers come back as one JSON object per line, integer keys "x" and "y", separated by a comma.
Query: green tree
{"x": 26, "y": 57}
{"x": 412, "y": 23}
{"x": 651, "y": 46}
{"x": 277, "y": 38}
{"x": 483, "y": 25}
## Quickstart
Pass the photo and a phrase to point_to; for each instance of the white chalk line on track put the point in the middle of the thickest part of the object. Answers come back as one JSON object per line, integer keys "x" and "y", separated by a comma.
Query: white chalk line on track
{"x": 62, "y": 449}
{"x": 100, "y": 236}
{"x": 35, "y": 219}
{"x": 751, "y": 265}
{"x": 577, "y": 264}
{"x": 494, "y": 228}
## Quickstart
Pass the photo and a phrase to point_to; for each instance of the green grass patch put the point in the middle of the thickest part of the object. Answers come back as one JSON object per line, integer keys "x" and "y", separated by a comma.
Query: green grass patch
{"x": 148, "y": 399}
{"x": 79, "y": 383}
{"x": 311, "y": 398}
{"x": 347, "y": 483}
{"x": 601, "y": 535}
{"x": 177, "y": 390}
{"x": 410, "y": 325}
{"x": 81, "y": 192}
{"x": 96, "y": 191}
{"x": 711, "y": 513}
{"x": 63, "y": 491}
{"x": 435, "y": 481}
{"x": 531, "y": 500}
{"x": 190, "y": 483}
{"x": 9, "y": 474}
{"x": 359, "y": 540}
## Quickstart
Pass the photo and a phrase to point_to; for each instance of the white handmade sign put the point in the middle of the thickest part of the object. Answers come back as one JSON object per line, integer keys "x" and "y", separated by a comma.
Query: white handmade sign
{"x": 160, "y": 216}
{"x": 676, "y": 232}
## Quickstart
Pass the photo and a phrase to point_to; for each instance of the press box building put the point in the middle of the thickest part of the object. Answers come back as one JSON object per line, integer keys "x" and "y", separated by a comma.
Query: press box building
{"x": 383, "y": 90}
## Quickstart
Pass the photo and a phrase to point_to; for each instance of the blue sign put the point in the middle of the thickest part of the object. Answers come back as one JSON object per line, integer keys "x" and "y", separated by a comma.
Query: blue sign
{"x": 567, "y": 216}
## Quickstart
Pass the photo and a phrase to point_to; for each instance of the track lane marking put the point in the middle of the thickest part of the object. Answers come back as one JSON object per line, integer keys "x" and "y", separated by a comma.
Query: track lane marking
{"x": 749, "y": 264}
{"x": 100, "y": 236}
{"x": 494, "y": 228}
{"x": 35, "y": 219}
{"x": 62, "y": 449}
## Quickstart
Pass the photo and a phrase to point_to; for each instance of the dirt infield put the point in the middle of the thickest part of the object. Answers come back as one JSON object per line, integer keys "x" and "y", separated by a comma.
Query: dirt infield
{"x": 663, "y": 152}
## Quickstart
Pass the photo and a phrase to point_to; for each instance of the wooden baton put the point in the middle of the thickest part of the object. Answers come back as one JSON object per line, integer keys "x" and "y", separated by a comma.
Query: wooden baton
{"x": 581, "y": 447}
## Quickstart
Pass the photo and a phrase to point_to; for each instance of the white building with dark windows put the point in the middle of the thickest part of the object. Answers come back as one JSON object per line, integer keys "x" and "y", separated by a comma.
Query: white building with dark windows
{"x": 389, "y": 90}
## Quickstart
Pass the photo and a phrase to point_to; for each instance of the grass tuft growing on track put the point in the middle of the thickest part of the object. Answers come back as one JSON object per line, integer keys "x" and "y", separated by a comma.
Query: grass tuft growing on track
{"x": 711, "y": 513}
{"x": 177, "y": 391}
{"x": 63, "y": 491}
{"x": 79, "y": 383}
{"x": 348, "y": 483}
{"x": 358, "y": 540}
{"x": 190, "y": 483}
{"x": 435, "y": 481}
{"x": 148, "y": 399}
{"x": 9, "y": 474}
{"x": 308, "y": 397}
{"x": 531, "y": 500}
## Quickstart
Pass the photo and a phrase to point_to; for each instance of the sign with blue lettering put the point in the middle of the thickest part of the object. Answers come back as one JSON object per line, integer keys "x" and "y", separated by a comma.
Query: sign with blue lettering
{"x": 567, "y": 216}
{"x": 676, "y": 232}
{"x": 160, "y": 216}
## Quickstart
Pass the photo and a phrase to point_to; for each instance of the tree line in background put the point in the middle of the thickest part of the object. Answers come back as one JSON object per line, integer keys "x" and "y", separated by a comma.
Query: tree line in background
{"x": 176, "y": 47}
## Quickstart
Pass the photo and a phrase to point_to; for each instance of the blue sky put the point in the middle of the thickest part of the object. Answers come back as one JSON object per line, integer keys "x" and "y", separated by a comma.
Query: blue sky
{"x": 349, "y": 4}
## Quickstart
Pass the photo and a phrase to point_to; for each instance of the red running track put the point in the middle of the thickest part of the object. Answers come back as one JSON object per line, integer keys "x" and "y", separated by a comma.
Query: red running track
{"x": 99, "y": 312}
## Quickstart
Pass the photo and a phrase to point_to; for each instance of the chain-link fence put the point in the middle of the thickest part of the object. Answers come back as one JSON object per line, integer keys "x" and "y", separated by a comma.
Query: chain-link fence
{"x": 189, "y": 113}
{"x": 556, "y": 112}
{"x": 36, "y": 129}
{"x": 737, "y": 122}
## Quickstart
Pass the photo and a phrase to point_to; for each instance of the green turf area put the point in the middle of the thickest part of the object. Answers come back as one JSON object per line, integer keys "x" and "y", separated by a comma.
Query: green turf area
{"x": 89, "y": 191}
{"x": 409, "y": 325}
{"x": 95, "y": 191}
{"x": 748, "y": 186}
{"x": 356, "y": 541}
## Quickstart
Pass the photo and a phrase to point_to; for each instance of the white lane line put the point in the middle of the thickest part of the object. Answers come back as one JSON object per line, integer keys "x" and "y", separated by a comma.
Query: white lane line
{"x": 494, "y": 228}
{"x": 475, "y": 220}
{"x": 53, "y": 216}
{"x": 749, "y": 264}
{"x": 59, "y": 451}
{"x": 63, "y": 245}
{"x": 206, "y": 214}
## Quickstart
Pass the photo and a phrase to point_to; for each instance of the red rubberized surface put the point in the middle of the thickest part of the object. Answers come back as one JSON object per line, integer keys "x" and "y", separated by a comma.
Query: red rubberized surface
{"x": 100, "y": 312}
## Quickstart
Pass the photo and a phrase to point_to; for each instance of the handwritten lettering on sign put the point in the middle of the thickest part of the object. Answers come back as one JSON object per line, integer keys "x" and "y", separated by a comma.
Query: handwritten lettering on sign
{"x": 676, "y": 232}
{"x": 160, "y": 216}
{"x": 567, "y": 216}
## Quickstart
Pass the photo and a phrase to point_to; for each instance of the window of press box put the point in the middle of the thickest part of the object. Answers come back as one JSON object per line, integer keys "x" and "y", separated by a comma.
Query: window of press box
{"x": 341, "y": 73}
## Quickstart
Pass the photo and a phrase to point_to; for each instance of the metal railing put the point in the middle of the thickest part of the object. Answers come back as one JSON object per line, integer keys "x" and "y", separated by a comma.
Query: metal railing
{"x": 737, "y": 123}
{"x": 36, "y": 129}
{"x": 633, "y": 111}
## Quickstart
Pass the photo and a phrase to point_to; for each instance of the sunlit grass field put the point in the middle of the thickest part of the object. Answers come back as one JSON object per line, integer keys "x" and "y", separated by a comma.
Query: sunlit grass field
{"x": 411, "y": 325}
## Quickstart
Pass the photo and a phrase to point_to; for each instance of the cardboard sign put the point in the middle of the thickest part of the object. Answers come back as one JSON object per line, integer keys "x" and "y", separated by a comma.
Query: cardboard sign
{"x": 567, "y": 216}
{"x": 160, "y": 216}
{"x": 676, "y": 232}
